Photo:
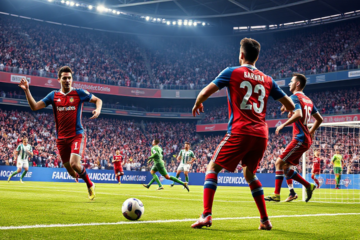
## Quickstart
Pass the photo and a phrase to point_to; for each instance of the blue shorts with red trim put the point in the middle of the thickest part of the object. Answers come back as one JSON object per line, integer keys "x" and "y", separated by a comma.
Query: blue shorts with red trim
{"x": 236, "y": 148}
{"x": 294, "y": 151}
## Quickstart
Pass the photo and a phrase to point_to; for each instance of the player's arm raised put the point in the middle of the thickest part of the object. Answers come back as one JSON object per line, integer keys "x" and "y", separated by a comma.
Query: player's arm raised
{"x": 98, "y": 103}
{"x": 33, "y": 104}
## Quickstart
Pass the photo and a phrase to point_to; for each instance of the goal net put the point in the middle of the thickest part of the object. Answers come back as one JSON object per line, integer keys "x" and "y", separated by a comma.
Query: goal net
{"x": 336, "y": 185}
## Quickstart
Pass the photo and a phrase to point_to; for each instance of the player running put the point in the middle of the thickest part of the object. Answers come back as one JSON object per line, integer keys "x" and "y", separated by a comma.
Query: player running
{"x": 337, "y": 165}
{"x": 159, "y": 166}
{"x": 186, "y": 158}
{"x": 118, "y": 163}
{"x": 22, "y": 154}
{"x": 67, "y": 106}
{"x": 248, "y": 90}
{"x": 302, "y": 137}
{"x": 315, "y": 172}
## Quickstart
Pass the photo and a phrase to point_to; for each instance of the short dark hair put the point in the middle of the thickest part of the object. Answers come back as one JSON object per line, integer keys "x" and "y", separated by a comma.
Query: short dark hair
{"x": 156, "y": 141}
{"x": 64, "y": 69}
{"x": 300, "y": 78}
{"x": 251, "y": 49}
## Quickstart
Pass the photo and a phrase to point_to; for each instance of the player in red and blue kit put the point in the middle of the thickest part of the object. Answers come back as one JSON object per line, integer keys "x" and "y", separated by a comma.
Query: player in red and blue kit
{"x": 316, "y": 169}
{"x": 67, "y": 105}
{"x": 302, "y": 138}
{"x": 118, "y": 162}
{"x": 248, "y": 91}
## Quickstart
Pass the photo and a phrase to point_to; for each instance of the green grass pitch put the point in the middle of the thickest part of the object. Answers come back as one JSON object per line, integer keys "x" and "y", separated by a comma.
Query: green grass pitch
{"x": 35, "y": 203}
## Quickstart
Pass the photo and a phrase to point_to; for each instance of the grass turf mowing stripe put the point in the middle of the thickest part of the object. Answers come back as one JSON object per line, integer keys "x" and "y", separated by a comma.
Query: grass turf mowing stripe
{"x": 165, "y": 221}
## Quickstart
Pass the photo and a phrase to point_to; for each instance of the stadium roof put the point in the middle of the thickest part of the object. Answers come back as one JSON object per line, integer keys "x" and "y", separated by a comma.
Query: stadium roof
{"x": 141, "y": 16}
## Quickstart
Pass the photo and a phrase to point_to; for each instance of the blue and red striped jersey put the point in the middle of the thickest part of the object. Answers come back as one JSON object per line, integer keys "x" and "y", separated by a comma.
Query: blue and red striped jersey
{"x": 300, "y": 129}
{"x": 68, "y": 111}
{"x": 248, "y": 90}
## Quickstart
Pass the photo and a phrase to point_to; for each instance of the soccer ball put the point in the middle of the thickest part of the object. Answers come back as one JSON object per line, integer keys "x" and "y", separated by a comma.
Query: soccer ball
{"x": 133, "y": 209}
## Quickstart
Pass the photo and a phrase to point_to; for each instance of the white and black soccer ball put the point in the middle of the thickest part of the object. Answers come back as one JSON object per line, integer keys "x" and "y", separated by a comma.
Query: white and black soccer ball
{"x": 133, "y": 209}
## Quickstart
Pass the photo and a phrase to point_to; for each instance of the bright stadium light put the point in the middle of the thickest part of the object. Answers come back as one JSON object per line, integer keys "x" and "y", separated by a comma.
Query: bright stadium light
{"x": 168, "y": 23}
{"x": 174, "y": 23}
{"x": 50, "y": 0}
{"x": 203, "y": 23}
{"x": 159, "y": 19}
{"x": 90, "y": 7}
{"x": 72, "y": 4}
{"x": 100, "y": 8}
{"x": 185, "y": 22}
{"x": 195, "y": 24}
{"x": 114, "y": 11}
{"x": 62, "y": 1}
{"x": 147, "y": 18}
{"x": 77, "y": 4}
{"x": 67, "y": 2}
{"x": 190, "y": 22}
{"x": 118, "y": 13}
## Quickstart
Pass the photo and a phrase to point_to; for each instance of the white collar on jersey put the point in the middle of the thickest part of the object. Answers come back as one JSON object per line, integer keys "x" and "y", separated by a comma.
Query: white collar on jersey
{"x": 299, "y": 92}
{"x": 249, "y": 66}
{"x": 71, "y": 88}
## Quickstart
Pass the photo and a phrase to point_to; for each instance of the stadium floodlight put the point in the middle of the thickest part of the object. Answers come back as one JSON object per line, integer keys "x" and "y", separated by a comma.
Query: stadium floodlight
{"x": 190, "y": 22}
{"x": 159, "y": 19}
{"x": 147, "y": 18}
{"x": 50, "y": 0}
{"x": 62, "y": 1}
{"x": 114, "y": 11}
{"x": 67, "y": 2}
{"x": 90, "y": 7}
{"x": 195, "y": 24}
{"x": 174, "y": 23}
{"x": 100, "y": 8}
{"x": 168, "y": 23}
{"x": 185, "y": 22}
{"x": 77, "y": 4}
{"x": 118, "y": 13}
{"x": 203, "y": 23}
{"x": 72, "y": 4}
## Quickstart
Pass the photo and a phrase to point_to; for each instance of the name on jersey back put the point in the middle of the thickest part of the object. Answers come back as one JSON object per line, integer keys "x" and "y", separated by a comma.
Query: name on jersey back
{"x": 255, "y": 77}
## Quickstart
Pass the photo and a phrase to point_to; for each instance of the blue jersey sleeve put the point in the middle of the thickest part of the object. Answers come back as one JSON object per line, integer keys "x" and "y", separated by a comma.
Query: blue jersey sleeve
{"x": 276, "y": 92}
{"x": 49, "y": 99}
{"x": 84, "y": 95}
{"x": 296, "y": 101}
{"x": 223, "y": 79}
{"x": 314, "y": 110}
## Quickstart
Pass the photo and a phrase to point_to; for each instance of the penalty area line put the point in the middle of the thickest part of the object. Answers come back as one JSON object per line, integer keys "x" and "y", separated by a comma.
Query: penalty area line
{"x": 164, "y": 221}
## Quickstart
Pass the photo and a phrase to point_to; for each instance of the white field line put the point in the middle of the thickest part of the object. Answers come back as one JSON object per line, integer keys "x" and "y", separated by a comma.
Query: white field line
{"x": 165, "y": 221}
{"x": 136, "y": 195}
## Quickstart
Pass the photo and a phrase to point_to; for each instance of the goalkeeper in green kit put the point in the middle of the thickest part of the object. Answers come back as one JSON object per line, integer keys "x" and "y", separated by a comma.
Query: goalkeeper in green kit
{"x": 337, "y": 164}
{"x": 157, "y": 157}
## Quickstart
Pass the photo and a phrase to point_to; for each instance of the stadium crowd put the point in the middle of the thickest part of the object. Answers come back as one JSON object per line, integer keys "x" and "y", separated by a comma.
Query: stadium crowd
{"x": 338, "y": 101}
{"x": 35, "y": 48}
{"x": 105, "y": 135}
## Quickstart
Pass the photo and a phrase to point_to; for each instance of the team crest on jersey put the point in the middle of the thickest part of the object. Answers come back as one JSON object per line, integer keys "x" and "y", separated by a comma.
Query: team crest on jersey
{"x": 71, "y": 99}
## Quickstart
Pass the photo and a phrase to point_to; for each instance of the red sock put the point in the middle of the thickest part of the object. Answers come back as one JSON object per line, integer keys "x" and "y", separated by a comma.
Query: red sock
{"x": 279, "y": 177}
{"x": 258, "y": 195}
{"x": 291, "y": 174}
{"x": 210, "y": 186}
{"x": 315, "y": 180}
{"x": 289, "y": 181}
{"x": 84, "y": 176}
{"x": 118, "y": 178}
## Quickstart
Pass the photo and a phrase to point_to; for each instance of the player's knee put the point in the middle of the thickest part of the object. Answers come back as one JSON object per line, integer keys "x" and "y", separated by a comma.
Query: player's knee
{"x": 121, "y": 174}
{"x": 167, "y": 177}
{"x": 279, "y": 163}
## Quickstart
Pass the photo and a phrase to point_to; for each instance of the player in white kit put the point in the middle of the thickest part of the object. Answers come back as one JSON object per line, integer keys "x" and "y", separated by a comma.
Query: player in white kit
{"x": 22, "y": 154}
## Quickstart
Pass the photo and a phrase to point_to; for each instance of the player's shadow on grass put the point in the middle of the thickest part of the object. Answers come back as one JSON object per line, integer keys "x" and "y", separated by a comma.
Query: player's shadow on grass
{"x": 282, "y": 232}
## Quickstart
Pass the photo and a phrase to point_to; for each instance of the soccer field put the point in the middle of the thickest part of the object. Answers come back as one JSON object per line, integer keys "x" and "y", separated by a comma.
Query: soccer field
{"x": 168, "y": 214}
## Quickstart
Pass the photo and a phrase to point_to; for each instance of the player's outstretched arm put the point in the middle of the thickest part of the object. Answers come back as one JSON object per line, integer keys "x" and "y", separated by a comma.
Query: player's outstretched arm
{"x": 98, "y": 103}
{"x": 203, "y": 95}
{"x": 33, "y": 104}
{"x": 318, "y": 120}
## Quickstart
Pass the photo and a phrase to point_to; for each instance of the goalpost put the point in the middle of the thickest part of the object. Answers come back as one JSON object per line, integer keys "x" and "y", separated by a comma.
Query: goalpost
{"x": 345, "y": 137}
